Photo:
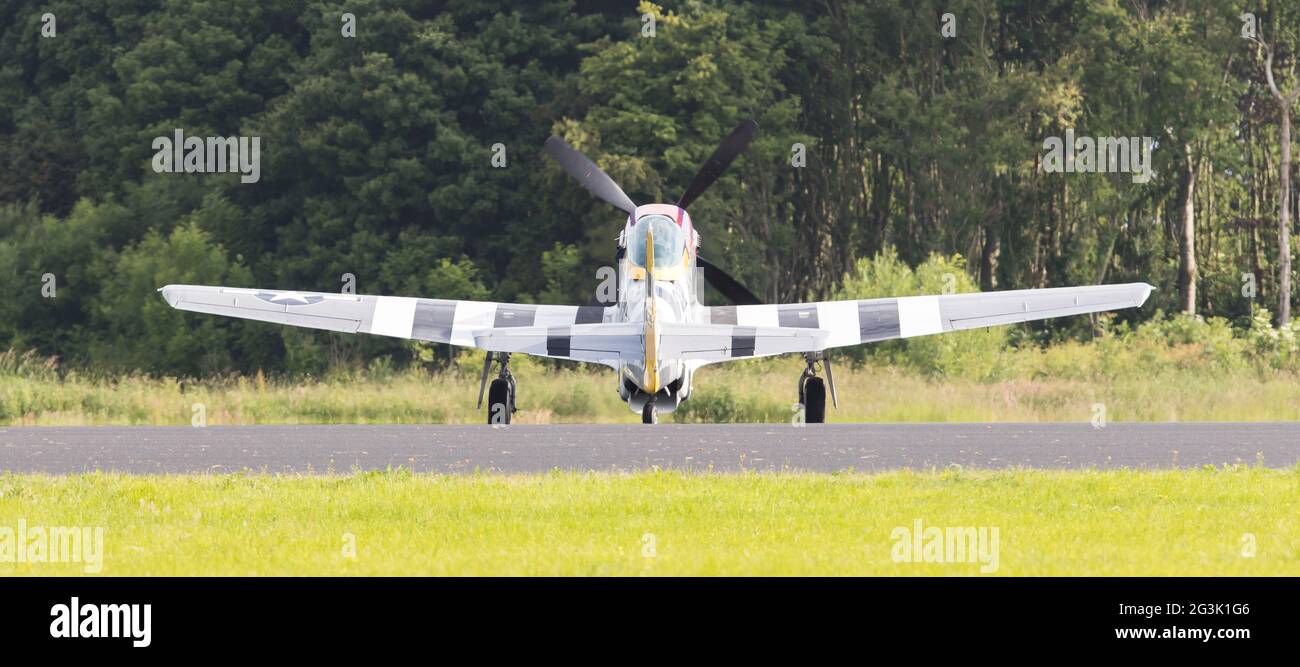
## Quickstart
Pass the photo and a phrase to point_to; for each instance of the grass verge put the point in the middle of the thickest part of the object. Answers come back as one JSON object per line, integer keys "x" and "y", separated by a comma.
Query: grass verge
{"x": 1228, "y": 521}
{"x": 758, "y": 391}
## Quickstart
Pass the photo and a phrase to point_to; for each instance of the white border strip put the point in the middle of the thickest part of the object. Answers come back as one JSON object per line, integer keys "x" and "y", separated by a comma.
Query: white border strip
{"x": 919, "y": 316}
{"x": 394, "y": 316}
{"x": 840, "y": 318}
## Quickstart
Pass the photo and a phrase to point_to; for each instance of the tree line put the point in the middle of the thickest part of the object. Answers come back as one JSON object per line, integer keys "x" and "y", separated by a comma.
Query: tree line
{"x": 405, "y": 157}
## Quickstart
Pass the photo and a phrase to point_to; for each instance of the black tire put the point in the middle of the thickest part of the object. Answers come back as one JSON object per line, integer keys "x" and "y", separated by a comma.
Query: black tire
{"x": 648, "y": 414}
{"x": 814, "y": 401}
{"x": 501, "y": 402}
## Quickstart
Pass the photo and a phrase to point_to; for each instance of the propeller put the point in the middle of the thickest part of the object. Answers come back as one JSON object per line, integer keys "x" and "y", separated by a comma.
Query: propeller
{"x": 581, "y": 168}
{"x": 724, "y": 283}
{"x": 588, "y": 174}
{"x": 722, "y": 157}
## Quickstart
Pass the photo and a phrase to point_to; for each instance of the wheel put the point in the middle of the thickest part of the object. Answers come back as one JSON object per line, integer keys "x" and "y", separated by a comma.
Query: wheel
{"x": 501, "y": 402}
{"x": 648, "y": 414}
{"x": 814, "y": 401}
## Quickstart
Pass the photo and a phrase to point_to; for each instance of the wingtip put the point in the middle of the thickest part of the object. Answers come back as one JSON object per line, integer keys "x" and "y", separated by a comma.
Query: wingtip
{"x": 169, "y": 294}
{"x": 1146, "y": 293}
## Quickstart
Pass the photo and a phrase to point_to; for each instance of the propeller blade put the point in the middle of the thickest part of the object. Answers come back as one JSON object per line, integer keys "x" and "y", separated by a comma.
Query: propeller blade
{"x": 482, "y": 382}
{"x": 588, "y": 174}
{"x": 717, "y": 163}
{"x": 730, "y": 287}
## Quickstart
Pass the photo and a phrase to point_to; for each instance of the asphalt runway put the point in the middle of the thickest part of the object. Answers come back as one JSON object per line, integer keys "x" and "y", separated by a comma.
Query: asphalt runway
{"x": 722, "y": 447}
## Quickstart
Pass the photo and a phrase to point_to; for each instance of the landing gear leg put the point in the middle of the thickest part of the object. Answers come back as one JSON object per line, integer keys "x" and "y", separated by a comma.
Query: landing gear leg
{"x": 812, "y": 389}
{"x": 648, "y": 414}
{"x": 501, "y": 395}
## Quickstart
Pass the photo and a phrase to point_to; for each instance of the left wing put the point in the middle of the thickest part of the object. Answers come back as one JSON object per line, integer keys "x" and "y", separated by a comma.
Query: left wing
{"x": 437, "y": 320}
{"x": 871, "y": 320}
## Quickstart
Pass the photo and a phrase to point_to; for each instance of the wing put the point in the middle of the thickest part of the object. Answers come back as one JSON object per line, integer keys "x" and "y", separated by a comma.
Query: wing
{"x": 611, "y": 343}
{"x": 437, "y": 320}
{"x": 607, "y": 343}
{"x": 870, "y": 320}
{"x": 721, "y": 342}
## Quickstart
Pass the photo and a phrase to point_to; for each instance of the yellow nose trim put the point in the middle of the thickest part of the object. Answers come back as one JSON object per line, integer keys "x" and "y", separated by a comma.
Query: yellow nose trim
{"x": 649, "y": 251}
{"x": 650, "y": 381}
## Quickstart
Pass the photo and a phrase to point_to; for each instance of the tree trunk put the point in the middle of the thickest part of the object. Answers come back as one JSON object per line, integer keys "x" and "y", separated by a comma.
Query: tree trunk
{"x": 1187, "y": 240}
{"x": 989, "y": 257}
{"x": 1284, "y": 223}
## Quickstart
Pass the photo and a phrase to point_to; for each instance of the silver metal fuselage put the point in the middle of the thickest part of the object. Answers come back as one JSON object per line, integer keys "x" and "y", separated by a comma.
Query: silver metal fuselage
{"x": 677, "y": 284}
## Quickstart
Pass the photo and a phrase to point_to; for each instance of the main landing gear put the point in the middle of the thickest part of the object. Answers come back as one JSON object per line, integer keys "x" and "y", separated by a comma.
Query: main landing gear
{"x": 812, "y": 389}
{"x": 648, "y": 414}
{"x": 501, "y": 395}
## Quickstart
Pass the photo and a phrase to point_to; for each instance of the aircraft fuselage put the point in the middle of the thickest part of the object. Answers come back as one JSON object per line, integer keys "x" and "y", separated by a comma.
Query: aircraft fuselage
{"x": 676, "y": 283}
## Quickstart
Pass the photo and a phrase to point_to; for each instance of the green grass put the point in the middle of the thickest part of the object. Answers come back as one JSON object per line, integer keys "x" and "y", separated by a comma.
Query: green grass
{"x": 758, "y": 391}
{"x": 1050, "y": 523}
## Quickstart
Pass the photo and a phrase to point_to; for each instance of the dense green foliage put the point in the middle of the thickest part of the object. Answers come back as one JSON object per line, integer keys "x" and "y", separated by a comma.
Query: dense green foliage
{"x": 376, "y": 158}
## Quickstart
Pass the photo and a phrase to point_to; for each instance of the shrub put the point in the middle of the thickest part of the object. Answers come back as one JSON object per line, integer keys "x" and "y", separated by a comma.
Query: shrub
{"x": 1273, "y": 347}
{"x": 719, "y": 405}
{"x": 976, "y": 354}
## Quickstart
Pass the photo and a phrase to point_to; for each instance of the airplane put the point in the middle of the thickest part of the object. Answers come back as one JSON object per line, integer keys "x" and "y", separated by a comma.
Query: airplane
{"x": 657, "y": 332}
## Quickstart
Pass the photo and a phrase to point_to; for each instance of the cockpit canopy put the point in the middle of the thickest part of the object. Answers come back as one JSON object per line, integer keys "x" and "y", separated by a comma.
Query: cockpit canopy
{"x": 670, "y": 241}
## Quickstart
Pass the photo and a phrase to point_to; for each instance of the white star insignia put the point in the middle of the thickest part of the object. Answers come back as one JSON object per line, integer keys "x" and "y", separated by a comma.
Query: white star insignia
{"x": 290, "y": 296}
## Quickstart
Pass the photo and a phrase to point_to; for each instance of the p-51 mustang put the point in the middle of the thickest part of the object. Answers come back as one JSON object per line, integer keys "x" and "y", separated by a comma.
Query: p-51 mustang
{"x": 657, "y": 333}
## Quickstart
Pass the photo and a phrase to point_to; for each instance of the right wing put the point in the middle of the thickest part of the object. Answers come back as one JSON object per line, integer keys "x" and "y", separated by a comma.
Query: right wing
{"x": 721, "y": 342}
{"x": 436, "y": 320}
{"x": 870, "y": 320}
